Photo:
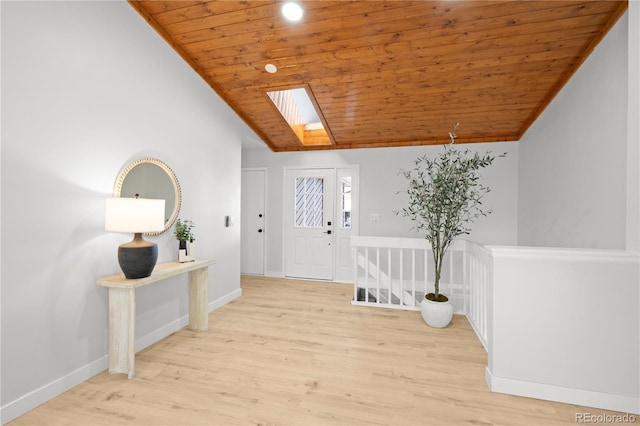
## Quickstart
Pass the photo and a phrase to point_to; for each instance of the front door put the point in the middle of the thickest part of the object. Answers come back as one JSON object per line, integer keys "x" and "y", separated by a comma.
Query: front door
{"x": 309, "y": 223}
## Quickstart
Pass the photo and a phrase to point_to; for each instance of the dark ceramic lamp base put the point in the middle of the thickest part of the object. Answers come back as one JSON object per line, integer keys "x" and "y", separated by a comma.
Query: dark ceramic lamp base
{"x": 137, "y": 257}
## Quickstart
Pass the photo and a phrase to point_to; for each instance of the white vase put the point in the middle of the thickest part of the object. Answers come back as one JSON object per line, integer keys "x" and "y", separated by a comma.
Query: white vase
{"x": 186, "y": 252}
{"x": 436, "y": 314}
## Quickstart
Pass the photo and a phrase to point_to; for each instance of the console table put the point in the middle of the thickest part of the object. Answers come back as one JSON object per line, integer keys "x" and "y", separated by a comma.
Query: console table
{"x": 122, "y": 308}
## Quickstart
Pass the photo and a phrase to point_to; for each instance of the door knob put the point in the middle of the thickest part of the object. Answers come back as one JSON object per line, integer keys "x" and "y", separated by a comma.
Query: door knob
{"x": 260, "y": 230}
{"x": 327, "y": 232}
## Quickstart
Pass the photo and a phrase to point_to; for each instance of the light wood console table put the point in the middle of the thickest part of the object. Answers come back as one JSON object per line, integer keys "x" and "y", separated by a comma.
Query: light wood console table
{"x": 122, "y": 308}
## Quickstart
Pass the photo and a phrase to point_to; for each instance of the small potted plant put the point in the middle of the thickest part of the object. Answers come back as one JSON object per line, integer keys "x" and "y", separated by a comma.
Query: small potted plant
{"x": 444, "y": 199}
{"x": 185, "y": 236}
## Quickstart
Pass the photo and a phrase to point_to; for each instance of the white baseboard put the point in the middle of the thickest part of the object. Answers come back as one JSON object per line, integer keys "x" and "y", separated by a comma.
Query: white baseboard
{"x": 164, "y": 331}
{"x": 221, "y": 301}
{"x": 39, "y": 396}
{"x": 280, "y": 274}
{"x": 49, "y": 391}
{"x": 605, "y": 401}
{"x": 160, "y": 333}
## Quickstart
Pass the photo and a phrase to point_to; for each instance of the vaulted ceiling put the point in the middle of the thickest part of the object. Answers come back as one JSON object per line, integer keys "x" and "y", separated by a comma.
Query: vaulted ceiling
{"x": 386, "y": 73}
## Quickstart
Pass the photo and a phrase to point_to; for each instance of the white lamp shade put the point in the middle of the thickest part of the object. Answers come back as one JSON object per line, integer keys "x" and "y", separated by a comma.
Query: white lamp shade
{"x": 134, "y": 215}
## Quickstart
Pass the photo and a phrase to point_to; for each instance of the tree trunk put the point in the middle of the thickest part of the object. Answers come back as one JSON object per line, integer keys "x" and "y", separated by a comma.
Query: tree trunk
{"x": 438, "y": 269}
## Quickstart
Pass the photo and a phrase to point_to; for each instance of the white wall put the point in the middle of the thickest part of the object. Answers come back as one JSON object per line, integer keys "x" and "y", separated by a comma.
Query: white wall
{"x": 557, "y": 334}
{"x": 633, "y": 128}
{"x": 86, "y": 88}
{"x": 633, "y": 144}
{"x": 572, "y": 165}
{"x": 379, "y": 185}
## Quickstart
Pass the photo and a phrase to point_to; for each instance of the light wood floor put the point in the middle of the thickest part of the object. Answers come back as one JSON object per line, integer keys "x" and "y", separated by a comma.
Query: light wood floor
{"x": 294, "y": 352}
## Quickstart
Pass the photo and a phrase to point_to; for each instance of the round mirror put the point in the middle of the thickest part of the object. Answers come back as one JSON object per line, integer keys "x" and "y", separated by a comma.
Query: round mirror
{"x": 151, "y": 178}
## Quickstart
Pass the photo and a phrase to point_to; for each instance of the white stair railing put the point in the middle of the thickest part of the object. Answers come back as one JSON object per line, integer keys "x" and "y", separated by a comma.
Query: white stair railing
{"x": 550, "y": 298}
{"x": 382, "y": 280}
{"x": 398, "y": 272}
{"x": 478, "y": 276}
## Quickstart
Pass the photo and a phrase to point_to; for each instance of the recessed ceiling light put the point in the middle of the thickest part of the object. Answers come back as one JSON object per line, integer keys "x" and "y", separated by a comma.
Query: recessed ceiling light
{"x": 292, "y": 11}
{"x": 270, "y": 68}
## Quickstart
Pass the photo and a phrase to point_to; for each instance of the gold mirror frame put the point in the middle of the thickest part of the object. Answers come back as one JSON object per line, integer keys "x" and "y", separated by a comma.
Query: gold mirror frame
{"x": 117, "y": 188}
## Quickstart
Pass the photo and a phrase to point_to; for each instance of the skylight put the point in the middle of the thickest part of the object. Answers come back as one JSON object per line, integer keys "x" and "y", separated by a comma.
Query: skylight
{"x": 297, "y": 108}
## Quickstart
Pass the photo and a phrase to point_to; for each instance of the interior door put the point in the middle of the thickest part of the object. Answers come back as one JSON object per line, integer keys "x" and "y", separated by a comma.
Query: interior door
{"x": 252, "y": 219}
{"x": 309, "y": 223}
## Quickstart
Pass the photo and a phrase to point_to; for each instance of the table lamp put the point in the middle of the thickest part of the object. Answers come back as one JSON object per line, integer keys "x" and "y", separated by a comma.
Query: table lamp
{"x": 138, "y": 257}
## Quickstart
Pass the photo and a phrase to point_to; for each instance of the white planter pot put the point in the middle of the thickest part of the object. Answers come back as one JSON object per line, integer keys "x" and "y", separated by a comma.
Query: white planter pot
{"x": 186, "y": 254}
{"x": 436, "y": 314}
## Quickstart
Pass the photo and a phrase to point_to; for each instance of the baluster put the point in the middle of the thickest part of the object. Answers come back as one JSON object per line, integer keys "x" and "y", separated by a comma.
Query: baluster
{"x": 378, "y": 277}
{"x": 473, "y": 290}
{"x": 481, "y": 293}
{"x": 426, "y": 253}
{"x": 402, "y": 277}
{"x": 389, "y": 277}
{"x": 483, "y": 297}
{"x": 451, "y": 283}
{"x": 366, "y": 283}
{"x": 477, "y": 295}
{"x": 355, "y": 252}
{"x": 413, "y": 275}
{"x": 465, "y": 282}
{"x": 474, "y": 294}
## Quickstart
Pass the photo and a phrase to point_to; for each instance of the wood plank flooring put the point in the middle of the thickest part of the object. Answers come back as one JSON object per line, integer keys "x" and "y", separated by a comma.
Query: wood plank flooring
{"x": 292, "y": 352}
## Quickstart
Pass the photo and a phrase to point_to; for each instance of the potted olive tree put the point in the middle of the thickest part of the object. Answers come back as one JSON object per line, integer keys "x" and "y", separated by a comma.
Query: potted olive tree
{"x": 445, "y": 196}
{"x": 184, "y": 234}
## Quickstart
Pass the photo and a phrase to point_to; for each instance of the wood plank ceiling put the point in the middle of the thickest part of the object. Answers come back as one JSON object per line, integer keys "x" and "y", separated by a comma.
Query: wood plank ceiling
{"x": 387, "y": 73}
